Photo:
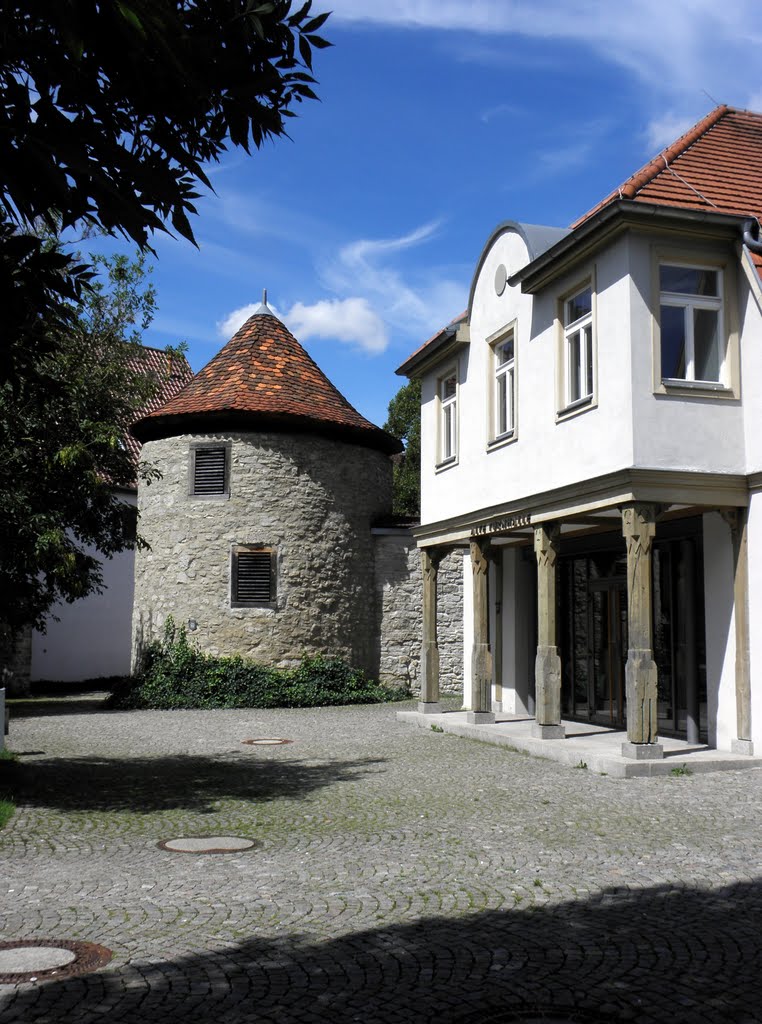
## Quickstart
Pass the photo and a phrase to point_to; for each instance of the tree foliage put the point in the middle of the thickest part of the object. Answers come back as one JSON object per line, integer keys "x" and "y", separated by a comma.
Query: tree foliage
{"x": 110, "y": 112}
{"x": 111, "y": 109}
{"x": 404, "y": 421}
{"x": 64, "y": 461}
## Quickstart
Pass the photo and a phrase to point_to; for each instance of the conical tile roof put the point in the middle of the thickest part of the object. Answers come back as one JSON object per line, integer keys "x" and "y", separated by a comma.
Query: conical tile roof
{"x": 263, "y": 380}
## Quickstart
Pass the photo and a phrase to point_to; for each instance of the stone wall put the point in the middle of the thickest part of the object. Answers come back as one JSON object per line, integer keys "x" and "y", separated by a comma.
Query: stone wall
{"x": 399, "y": 596}
{"x": 313, "y": 500}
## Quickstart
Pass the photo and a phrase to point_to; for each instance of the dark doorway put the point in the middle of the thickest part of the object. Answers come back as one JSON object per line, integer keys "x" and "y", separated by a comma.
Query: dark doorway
{"x": 593, "y": 628}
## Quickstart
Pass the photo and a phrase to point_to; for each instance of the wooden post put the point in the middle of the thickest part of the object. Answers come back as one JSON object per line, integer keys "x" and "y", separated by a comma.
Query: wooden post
{"x": 639, "y": 529}
{"x": 481, "y": 656}
{"x": 547, "y": 666}
{"x": 429, "y": 702}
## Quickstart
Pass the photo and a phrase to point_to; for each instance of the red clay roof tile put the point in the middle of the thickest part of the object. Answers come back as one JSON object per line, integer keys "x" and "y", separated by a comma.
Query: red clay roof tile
{"x": 714, "y": 166}
{"x": 170, "y": 370}
{"x": 263, "y": 378}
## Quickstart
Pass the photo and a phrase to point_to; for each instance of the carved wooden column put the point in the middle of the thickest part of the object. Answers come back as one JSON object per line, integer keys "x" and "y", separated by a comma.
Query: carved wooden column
{"x": 481, "y": 656}
{"x": 547, "y": 666}
{"x": 429, "y": 702}
{"x": 639, "y": 529}
{"x": 736, "y": 519}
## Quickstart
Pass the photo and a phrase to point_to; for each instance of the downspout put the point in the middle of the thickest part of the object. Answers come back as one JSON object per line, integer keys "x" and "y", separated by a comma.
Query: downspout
{"x": 750, "y": 233}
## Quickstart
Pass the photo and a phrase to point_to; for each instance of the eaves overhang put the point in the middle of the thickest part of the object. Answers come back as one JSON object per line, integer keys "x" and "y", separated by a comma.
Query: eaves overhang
{"x": 619, "y": 216}
{"x": 448, "y": 342}
{"x": 158, "y": 427}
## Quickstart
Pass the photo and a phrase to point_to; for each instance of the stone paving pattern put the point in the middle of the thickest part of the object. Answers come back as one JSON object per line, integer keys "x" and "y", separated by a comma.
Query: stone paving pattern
{"x": 398, "y": 875}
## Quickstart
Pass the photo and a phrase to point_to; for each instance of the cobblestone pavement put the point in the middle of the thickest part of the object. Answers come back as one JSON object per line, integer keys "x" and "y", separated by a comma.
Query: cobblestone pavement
{"x": 398, "y": 875}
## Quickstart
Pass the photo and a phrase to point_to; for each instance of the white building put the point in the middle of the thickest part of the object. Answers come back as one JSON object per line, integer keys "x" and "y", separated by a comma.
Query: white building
{"x": 590, "y": 439}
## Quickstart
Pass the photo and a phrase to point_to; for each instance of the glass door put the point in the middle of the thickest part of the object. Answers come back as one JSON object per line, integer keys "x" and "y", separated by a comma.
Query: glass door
{"x": 607, "y": 609}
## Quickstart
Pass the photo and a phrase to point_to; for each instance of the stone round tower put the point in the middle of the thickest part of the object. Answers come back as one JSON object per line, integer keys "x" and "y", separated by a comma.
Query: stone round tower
{"x": 260, "y": 524}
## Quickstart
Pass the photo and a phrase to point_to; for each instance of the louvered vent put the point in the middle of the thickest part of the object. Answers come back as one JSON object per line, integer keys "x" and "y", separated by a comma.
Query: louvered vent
{"x": 209, "y": 471}
{"x": 253, "y": 577}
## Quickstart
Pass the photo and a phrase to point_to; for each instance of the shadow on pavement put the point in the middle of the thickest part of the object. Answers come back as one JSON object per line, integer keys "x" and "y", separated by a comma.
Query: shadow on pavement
{"x": 189, "y": 782}
{"x": 678, "y": 955}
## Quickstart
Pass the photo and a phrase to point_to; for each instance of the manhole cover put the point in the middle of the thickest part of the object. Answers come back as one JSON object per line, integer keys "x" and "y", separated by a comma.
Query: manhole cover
{"x": 267, "y": 741}
{"x": 39, "y": 959}
{"x": 534, "y": 1016}
{"x": 206, "y": 844}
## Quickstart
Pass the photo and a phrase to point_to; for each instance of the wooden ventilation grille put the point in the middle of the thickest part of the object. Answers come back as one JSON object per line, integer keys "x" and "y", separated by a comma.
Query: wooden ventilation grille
{"x": 253, "y": 578}
{"x": 209, "y": 471}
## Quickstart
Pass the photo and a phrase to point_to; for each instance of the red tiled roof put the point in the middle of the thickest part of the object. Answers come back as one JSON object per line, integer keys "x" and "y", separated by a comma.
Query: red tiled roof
{"x": 263, "y": 378}
{"x": 714, "y": 166}
{"x": 170, "y": 370}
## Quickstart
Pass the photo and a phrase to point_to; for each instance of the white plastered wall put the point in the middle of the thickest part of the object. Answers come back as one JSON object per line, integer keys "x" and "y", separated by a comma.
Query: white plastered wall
{"x": 754, "y": 537}
{"x": 92, "y": 637}
{"x": 548, "y": 451}
{"x": 700, "y": 432}
{"x": 720, "y": 632}
{"x": 518, "y": 628}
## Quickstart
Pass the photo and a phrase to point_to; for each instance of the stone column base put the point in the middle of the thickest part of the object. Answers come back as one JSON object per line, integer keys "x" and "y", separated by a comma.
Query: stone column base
{"x": 480, "y": 717}
{"x": 548, "y": 732}
{"x": 430, "y": 707}
{"x": 742, "y": 747}
{"x": 643, "y": 751}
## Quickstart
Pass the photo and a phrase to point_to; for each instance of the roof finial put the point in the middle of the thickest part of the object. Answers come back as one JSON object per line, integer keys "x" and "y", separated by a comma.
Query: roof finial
{"x": 263, "y": 309}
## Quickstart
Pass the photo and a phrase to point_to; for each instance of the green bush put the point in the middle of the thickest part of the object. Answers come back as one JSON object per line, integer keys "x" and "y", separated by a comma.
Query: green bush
{"x": 175, "y": 674}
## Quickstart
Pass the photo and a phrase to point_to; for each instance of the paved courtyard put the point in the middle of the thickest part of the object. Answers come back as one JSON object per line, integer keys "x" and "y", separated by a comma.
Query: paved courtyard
{"x": 397, "y": 875}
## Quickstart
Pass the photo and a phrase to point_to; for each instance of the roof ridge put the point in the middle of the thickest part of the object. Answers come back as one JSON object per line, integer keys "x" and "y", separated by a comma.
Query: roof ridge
{"x": 637, "y": 181}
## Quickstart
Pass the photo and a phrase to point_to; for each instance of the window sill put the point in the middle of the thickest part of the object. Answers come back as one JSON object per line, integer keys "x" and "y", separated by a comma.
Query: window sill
{"x": 502, "y": 441}
{"x": 447, "y": 464}
{"x": 210, "y": 497}
{"x": 695, "y": 389}
{"x": 580, "y": 406}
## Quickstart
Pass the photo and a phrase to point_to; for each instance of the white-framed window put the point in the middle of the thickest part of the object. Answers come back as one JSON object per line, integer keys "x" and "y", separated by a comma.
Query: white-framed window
{"x": 577, "y": 354}
{"x": 692, "y": 335}
{"x": 448, "y": 417}
{"x": 504, "y": 393}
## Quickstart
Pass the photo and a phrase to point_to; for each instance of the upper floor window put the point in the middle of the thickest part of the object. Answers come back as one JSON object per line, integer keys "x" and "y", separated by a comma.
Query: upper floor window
{"x": 448, "y": 417}
{"x": 690, "y": 315}
{"x": 504, "y": 394}
{"x": 578, "y": 348}
{"x": 210, "y": 470}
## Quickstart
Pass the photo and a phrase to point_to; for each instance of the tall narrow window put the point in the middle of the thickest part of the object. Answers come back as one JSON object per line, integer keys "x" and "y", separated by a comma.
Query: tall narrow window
{"x": 690, "y": 314}
{"x": 209, "y": 470}
{"x": 578, "y": 348}
{"x": 505, "y": 381}
{"x": 448, "y": 428}
{"x": 252, "y": 577}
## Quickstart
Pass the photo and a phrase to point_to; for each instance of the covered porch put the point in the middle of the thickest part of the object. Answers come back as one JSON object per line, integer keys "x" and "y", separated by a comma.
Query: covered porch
{"x": 560, "y": 681}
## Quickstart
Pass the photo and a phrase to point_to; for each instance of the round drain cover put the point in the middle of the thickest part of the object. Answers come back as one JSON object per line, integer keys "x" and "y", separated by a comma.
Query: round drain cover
{"x": 267, "y": 741}
{"x": 34, "y": 958}
{"x": 206, "y": 844}
{"x": 39, "y": 959}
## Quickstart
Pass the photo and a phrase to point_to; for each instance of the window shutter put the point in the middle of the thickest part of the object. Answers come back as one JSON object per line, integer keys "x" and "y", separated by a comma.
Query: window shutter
{"x": 253, "y": 583}
{"x": 209, "y": 471}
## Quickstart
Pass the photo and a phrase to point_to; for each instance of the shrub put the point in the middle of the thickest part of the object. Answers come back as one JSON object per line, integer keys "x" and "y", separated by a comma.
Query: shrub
{"x": 176, "y": 674}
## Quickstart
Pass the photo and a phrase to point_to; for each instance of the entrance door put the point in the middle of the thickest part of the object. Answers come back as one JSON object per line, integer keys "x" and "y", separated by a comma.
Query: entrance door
{"x": 607, "y": 630}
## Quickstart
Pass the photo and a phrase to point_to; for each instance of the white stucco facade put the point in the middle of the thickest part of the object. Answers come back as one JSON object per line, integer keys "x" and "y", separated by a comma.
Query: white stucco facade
{"x": 682, "y": 454}
{"x": 90, "y": 638}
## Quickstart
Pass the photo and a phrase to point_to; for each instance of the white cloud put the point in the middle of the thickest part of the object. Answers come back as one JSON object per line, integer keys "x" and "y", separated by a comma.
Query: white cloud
{"x": 664, "y": 130}
{"x": 684, "y": 45}
{"x": 413, "y": 302}
{"x": 352, "y": 321}
{"x": 227, "y": 327}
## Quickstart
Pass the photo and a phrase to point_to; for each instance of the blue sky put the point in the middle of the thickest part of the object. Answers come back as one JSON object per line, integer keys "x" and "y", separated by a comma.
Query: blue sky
{"x": 438, "y": 119}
